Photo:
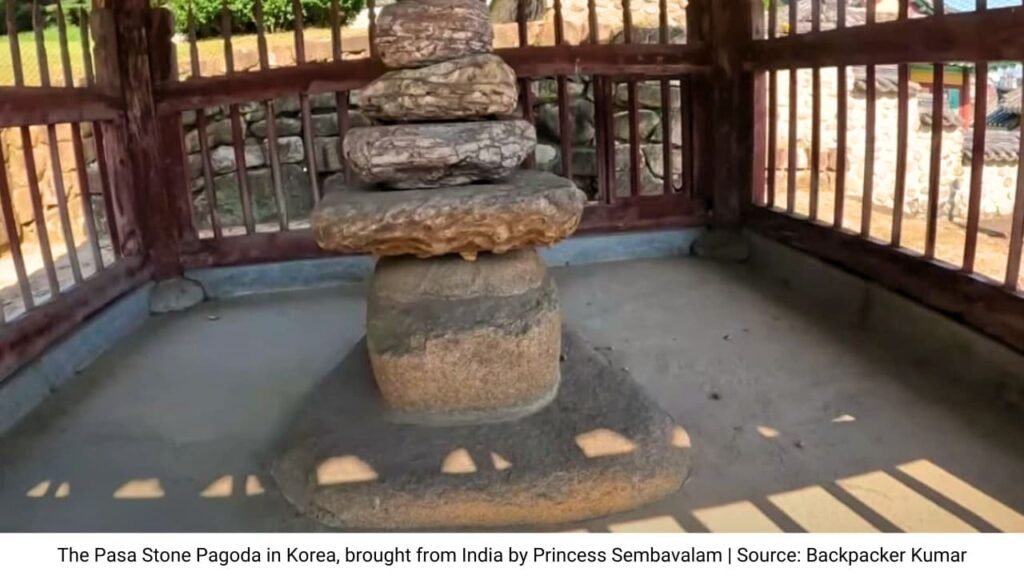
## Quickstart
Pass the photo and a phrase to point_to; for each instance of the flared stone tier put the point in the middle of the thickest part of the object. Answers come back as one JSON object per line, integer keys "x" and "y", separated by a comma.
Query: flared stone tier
{"x": 412, "y": 156}
{"x": 602, "y": 446}
{"x": 421, "y": 32}
{"x": 528, "y": 208}
{"x": 456, "y": 341}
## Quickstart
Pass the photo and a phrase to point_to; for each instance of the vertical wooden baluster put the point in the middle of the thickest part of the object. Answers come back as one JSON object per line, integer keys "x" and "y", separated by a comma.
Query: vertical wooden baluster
{"x": 977, "y": 158}
{"x": 597, "y": 91}
{"x": 759, "y": 123}
{"x": 902, "y": 118}
{"x": 1017, "y": 228}
{"x": 696, "y": 122}
{"x": 271, "y": 117}
{"x": 57, "y": 172}
{"x": 340, "y": 98}
{"x": 525, "y": 84}
{"x": 666, "y": 108}
{"x": 77, "y": 146}
{"x": 13, "y": 237}
{"x": 792, "y": 141}
{"x": 635, "y": 182}
{"x": 83, "y": 25}
{"x": 521, "y": 28}
{"x": 977, "y": 165}
{"x": 13, "y": 43}
{"x": 204, "y": 145}
{"x": 600, "y": 138}
{"x": 65, "y": 53}
{"x": 38, "y": 213}
{"x": 935, "y": 162}
{"x": 372, "y": 33}
{"x": 773, "y": 111}
{"x": 591, "y": 21}
{"x": 611, "y": 147}
{"x": 812, "y": 212}
{"x": 307, "y": 123}
{"x": 565, "y": 119}
{"x": 867, "y": 198}
{"x": 237, "y": 137}
{"x": 97, "y": 135}
{"x": 841, "y": 126}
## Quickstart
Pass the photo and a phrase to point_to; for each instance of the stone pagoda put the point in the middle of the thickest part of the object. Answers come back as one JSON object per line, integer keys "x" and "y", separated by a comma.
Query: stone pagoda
{"x": 468, "y": 404}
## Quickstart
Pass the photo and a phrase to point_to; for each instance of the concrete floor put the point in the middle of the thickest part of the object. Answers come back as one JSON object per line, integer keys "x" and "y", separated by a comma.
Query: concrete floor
{"x": 799, "y": 419}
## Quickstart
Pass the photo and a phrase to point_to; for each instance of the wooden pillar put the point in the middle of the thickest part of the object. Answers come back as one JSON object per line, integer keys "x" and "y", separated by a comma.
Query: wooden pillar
{"x": 147, "y": 223}
{"x": 698, "y": 24}
{"x": 732, "y": 110}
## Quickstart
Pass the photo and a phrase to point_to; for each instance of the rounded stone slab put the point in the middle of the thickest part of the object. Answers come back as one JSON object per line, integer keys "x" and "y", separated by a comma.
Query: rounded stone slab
{"x": 602, "y": 446}
{"x": 470, "y": 87}
{"x": 433, "y": 155}
{"x": 415, "y": 33}
{"x": 528, "y": 208}
{"x": 455, "y": 341}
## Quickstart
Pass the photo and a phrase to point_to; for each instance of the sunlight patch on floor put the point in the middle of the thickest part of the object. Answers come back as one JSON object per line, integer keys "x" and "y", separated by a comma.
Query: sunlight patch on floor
{"x": 901, "y": 505}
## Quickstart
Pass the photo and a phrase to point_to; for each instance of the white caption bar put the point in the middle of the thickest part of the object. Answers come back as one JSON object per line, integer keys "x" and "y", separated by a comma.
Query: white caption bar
{"x": 458, "y": 554}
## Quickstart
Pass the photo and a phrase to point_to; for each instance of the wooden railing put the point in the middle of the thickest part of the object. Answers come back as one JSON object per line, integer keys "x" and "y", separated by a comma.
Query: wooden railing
{"x": 871, "y": 241}
{"x": 147, "y": 223}
{"x": 207, "y": 241}
{"x": 64, "y": 263}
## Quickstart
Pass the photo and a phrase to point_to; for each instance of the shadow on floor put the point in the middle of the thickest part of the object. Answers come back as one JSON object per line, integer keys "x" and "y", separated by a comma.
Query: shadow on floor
{"x": 798, "y": 418}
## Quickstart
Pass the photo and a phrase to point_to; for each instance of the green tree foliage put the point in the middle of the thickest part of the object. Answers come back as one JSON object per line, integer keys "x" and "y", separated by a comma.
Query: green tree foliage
{"x": 23, "y": 14}
{"x": 277, "y": 14}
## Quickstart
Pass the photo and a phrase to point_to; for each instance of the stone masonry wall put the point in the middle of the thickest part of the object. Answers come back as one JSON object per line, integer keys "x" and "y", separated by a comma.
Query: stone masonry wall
{"x": 576, "y": 29}
{"x": 886, "y": 112}
{"x": 292, "y": 149}
{"x": 18, "y": 178}
{"x": 999, "y": 179}
{"x": 584, "y": 155}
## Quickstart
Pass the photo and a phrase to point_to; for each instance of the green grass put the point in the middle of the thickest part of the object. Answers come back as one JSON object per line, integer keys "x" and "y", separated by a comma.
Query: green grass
{"x": 209, "y": 49}
{"x": 30, "y": 62}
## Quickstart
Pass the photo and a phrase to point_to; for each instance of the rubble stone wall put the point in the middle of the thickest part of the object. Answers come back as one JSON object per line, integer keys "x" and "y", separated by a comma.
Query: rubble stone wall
{"x": 999, "y": 183}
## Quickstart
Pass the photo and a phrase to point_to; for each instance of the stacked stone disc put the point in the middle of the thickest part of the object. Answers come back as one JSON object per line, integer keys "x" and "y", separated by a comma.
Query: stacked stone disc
{"x": 470, "y": 404}
{"x": 463, "y": 322}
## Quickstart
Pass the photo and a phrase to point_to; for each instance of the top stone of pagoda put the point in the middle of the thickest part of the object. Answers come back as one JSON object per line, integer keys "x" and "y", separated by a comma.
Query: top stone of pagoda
{"x": 415, "y": 33}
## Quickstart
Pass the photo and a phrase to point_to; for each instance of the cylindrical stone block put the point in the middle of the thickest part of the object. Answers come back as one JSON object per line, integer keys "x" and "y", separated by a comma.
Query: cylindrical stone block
{"x": 454, "y": 341}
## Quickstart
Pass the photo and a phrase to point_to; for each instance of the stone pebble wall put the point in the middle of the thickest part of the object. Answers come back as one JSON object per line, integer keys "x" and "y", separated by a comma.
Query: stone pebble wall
{"x": 18, "y": 180}
{"x": 999, "y": 181}
{"x": 576, "y": 30}
{"x": 584, "y": 154}
{"x": 292, "y": 149}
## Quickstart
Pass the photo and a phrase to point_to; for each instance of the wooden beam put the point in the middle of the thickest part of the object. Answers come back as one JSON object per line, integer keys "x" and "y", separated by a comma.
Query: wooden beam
{"x": 644, "y": 213}
{"x": 650, "y": 60}
{"x": 976, "y": 36}
{"x": 29, "y": 106}
{"x": 972, "y": 299}
{"x": 23, "y": 339}
{"x": 733, "y": 107}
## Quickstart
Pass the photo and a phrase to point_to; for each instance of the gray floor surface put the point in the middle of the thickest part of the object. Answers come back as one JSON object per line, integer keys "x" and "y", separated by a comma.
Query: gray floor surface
{"x": 777, "y": 396}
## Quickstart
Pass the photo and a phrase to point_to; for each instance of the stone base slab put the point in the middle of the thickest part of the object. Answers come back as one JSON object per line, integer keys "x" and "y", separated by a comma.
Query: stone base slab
{"x": 602, "y": 446}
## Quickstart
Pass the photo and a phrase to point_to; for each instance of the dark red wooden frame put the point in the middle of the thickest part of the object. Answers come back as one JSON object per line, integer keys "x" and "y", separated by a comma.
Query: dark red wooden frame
{"x": 137, "y": 103}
